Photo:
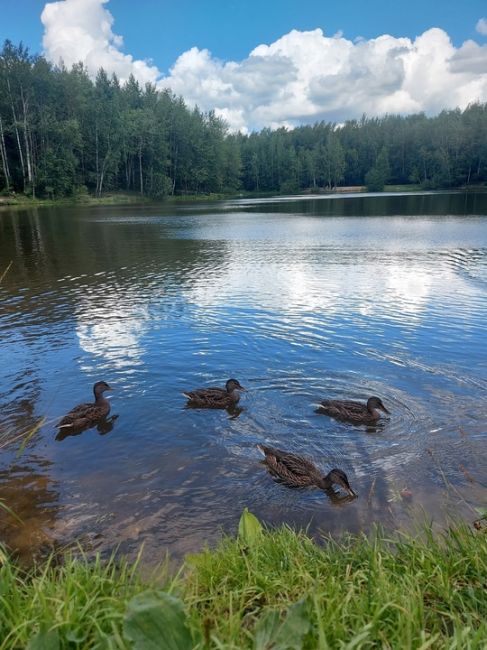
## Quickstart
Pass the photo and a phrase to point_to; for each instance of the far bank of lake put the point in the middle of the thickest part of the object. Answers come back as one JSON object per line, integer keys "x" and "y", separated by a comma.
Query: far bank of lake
{"x": 135, "y": 198}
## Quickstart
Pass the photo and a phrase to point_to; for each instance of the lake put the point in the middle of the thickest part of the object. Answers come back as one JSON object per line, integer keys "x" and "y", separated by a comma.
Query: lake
{"x": 300, "y": 299}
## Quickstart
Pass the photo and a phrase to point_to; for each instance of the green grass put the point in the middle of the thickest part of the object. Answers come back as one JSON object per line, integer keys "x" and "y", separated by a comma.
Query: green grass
{"x": 84, "y": 601}
{"x": 134, "y": 198}
{"x": 277, "y": 589}
{"x": 115, "y": 198}
{"x": 411, "y": 187}
{"x": 398, "y": 595}
{"x": 110, "y": 198}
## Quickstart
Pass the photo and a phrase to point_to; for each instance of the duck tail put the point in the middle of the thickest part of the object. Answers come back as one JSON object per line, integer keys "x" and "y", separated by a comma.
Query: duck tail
{"x": 65, "y": 426}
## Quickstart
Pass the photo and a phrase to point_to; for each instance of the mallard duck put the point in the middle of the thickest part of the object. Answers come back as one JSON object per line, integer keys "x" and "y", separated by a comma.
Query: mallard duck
{"x": 295, "y": 471}
{"x": 103, "y": 427}
{"x": 85, "y": 415}
{"x": 354, "y": 412}
{"x": 215, "y": 398}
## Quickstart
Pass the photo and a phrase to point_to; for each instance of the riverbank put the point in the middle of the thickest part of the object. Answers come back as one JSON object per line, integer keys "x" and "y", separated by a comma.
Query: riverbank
{"x": 124, "y": 198}
{"x": 266, "y": 589}
{"x": 85, "y": 199}
{"x": 117, "y": 198}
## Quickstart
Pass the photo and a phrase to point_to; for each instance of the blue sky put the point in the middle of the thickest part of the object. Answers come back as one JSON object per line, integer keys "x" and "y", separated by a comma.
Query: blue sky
{"x": 244, "y": 60}
{"x": 162, "y": 30}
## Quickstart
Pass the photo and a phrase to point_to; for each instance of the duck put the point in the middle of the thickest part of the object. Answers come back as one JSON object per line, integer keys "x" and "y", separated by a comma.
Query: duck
{"x": 215, "y": 398}
{"x": 298, "y": 472}
{"x": 354, "y": 412}
{"x": 103, "y": 427}
{"x": 86, "y": 415}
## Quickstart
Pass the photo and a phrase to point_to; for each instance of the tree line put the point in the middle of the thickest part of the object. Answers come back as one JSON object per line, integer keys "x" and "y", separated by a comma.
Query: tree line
{"x": 64, "y": 134}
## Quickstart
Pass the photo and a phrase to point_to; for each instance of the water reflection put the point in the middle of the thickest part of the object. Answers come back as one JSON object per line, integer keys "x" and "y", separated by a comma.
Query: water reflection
{"x": 112, "y": 330}
{"x": 102, "y": 427}
{"x": 29, "y": 529}
{"x": 301, "y": 303}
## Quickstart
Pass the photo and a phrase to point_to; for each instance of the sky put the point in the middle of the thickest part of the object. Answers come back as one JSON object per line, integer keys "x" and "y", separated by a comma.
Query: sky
{"x": 270, "y": 64}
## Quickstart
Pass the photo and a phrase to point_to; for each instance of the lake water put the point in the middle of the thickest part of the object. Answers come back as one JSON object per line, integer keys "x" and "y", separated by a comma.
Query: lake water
{"x": 300, "y": 299}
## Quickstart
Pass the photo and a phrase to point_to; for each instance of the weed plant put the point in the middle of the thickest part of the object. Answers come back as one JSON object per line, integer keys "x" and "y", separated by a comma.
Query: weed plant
{"x": 264, "y": 590}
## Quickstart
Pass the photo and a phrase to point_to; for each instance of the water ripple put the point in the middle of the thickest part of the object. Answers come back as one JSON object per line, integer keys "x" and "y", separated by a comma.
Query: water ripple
{"x": 299, "y": 306}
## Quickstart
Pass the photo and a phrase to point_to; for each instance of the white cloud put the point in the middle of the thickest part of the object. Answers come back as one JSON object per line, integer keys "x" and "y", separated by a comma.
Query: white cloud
{"x": 481, "y": 26}
{"x": 81, "y": 30}
{"x": 304, "y": 77}
{"x": 300, "y": 78}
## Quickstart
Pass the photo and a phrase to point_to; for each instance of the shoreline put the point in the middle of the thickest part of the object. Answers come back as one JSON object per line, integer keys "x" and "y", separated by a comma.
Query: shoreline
{"x": 120, "y": 198}
{"x": 264, "y": 588}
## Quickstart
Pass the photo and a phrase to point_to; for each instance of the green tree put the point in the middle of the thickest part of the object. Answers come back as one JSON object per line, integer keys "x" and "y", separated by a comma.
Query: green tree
{"x": 377, "y": 177}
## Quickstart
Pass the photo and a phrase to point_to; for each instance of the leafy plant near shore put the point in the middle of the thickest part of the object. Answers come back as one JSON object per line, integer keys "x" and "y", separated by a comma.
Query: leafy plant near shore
{"x": 265, "y": 590}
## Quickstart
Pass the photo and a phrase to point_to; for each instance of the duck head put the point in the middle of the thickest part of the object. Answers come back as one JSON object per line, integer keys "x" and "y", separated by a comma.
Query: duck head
{"x": 374, "y": 403}
{"x": 100, "y": 387}
{"x": 233, "y": 384}
{"x": 337, "y": 477}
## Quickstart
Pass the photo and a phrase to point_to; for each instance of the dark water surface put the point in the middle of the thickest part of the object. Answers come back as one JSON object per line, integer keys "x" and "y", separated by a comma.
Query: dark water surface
{"x": 300, "y": 299}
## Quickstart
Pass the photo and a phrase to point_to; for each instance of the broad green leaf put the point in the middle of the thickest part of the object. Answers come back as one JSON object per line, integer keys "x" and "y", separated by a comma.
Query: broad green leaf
{"x": 249, "y": 528}
{"x": 45, "y": 639}
{"x": 154, "y": 620}
{"x": 273, "y": 631}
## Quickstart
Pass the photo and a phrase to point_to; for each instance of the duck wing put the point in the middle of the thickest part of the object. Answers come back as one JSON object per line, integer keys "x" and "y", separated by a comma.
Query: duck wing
{"x": 209, "y": 397}
{"x": 290, "y": 469}
{"x": 75, "y": 413}
{"x": 343, "y": 409}
{"x": 211, "y": 392}
{"x": 85, "y": 414}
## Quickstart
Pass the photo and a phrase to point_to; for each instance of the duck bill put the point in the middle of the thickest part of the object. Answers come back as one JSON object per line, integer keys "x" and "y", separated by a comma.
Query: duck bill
{"x": 351, "y": 492}
{"x": 383, "y": 408}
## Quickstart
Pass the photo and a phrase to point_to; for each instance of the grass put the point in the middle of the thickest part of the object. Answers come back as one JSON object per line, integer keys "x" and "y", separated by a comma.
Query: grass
{"x": 134, "y": 198}
{"x": 5, "y": 271}
{"x": 278, "y": 589}
{"x": 83, "y": 601}
{"x": 359, "y": 593}
{"x": 411, "y": 187}
{"x": 115, "y": 198}
{"x": 5, "y": 437}
{"x": 110, "y": 198}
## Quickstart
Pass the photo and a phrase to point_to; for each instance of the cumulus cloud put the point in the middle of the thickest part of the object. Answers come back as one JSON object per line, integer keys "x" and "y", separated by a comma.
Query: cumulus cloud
{"x": 481, "y": 26}
{"x": 304, "y": 77}
{"x": 81, "y": 30}
{"x": 300, "y": 78}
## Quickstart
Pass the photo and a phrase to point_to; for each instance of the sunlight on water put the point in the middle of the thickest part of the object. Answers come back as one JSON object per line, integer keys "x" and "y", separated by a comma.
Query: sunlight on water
{"x": 301, "y": 299}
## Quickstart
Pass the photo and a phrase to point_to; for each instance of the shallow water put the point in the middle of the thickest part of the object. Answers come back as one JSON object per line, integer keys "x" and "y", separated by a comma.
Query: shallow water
{"x": 300, "y": 299}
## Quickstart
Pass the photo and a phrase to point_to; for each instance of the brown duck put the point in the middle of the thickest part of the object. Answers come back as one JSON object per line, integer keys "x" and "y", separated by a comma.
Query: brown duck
{"x": 215, "y": 398}
{"x": 354, "y": 412}
{"x": 296, "y": 472}
{"x": 85, "y": 415}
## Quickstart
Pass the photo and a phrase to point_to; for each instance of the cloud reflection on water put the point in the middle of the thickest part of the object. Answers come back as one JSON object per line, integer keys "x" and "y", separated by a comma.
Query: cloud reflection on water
{"x": 274, "y": 278}
{"x": 112, "y": 326}
{"x": 300, "y": 308}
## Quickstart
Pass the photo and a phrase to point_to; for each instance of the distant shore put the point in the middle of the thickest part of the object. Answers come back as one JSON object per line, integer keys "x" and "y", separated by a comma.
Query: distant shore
{"x": 124, "y": 198}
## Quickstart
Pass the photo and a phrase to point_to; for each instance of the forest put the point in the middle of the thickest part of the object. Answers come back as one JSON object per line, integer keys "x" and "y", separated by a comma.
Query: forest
{"x": 63, "y": 134}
